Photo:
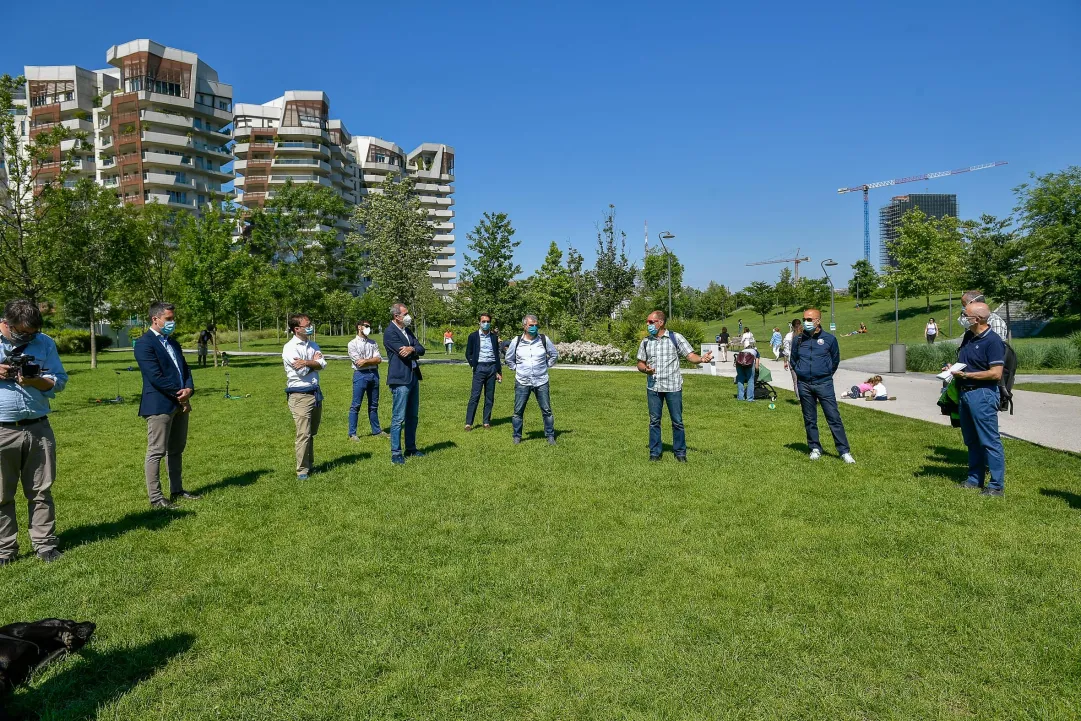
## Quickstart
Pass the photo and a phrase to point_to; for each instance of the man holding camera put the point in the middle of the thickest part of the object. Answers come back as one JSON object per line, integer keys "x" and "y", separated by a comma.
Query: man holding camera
{"x": 30, "y": 374}
{"x": 165, "y": 404}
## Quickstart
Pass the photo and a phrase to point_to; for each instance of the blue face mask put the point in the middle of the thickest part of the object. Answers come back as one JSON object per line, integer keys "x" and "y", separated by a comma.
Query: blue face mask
{"x": 651, "y": 329}
{"x": 485, "y": 325}
{"x": 532, "y": 330}
{"x": 310, "y": 330}
{"x": 169, "y": 327}
{"x": 809, "y": 326}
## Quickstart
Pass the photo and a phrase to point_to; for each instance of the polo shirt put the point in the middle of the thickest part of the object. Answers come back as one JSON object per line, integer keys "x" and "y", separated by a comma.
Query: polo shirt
{"x": 980, "y": 353}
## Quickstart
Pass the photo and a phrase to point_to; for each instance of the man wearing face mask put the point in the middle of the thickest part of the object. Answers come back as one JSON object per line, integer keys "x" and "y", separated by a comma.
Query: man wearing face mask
{"x": 658, "y": 357}
{"x": 303, "y": 360}
{"x": 815, "y": 357}
{"x": 994, "y": 321}
{"x": 482, "y": 354}
{"x": 165, "y": 403}
{"x": 364, "y": 353}
{"x": 530, "y": 355}
{"x": 27, "y": 444}
{"x": 984, "y": 354}
{"x": 403, "y": 378}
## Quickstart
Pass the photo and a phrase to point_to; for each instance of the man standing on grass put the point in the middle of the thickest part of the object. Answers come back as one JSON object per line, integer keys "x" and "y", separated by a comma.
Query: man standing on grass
{"x": 27, "y": 444}
{"x": 530, "y": 355}
{"x": 984, "y": 354}
{"x": 364, "y": 353}
{"x": 403, "y": 378}
{"x": 482, "y": 354}
{"x": 815, "y": 357}
{"x": 303, "y": 360}
{"x": 165, "y": 403}
{"x": 658, "y": 357}
{"x": 206, "y": 336}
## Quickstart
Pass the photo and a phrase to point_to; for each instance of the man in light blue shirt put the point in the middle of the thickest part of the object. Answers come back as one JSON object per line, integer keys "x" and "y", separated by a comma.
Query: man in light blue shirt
{"x": 530, "y": 355}
{"x": 30, "y": 374}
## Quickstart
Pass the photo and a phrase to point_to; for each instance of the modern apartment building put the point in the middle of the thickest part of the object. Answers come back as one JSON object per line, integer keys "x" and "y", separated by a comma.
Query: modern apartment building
{"x": 433, "y": 167}
{"x": 162, "y": 135}
{"x": 933, "y": 205}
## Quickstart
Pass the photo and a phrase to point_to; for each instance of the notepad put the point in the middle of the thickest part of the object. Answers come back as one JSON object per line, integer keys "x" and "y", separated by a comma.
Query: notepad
{"x": 948, "y": 373}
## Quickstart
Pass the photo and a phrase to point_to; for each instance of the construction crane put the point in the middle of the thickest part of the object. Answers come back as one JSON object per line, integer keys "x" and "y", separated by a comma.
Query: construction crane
{"x": 797, "y": 260}
{"x": 898, "y": 181}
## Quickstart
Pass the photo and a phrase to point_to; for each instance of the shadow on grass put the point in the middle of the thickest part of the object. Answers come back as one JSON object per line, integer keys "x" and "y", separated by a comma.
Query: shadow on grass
{"x": 500, "y": 421}
{"x": 802, "y": 448}
{"x": 346, "y": 460}
{"x": 1073, "y": 500}
{"x": 93, "y": 679}
{"x": 436, "y": 447}
{"x": 536, "y": 435}
{"x": 946, "y": 462}
{"x": 938, "y": 308}
{"x": 148, "y": 520}
{"x": 242, "y": 479}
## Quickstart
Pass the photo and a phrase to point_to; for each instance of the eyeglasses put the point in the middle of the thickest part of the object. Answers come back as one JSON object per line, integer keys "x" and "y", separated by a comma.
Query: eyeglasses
{"x": 810, "y": 319}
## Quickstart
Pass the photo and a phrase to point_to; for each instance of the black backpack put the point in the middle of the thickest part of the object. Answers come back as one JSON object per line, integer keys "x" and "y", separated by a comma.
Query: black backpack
{"x": 518, "y": 341}
{"x": 1005, "y": 383}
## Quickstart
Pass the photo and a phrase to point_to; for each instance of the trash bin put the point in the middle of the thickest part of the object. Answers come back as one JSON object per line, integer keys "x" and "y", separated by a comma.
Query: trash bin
{"x": 898, "y": 357}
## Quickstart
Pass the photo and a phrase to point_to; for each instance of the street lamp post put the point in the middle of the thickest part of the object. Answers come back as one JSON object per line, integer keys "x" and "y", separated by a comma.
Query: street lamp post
{"x": 830, "y": 262}
{"x": 663, "y": 236}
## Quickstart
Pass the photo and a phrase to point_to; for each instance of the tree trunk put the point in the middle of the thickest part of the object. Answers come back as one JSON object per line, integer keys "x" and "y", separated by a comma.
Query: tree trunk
{"x": 928, "y": 303}
{"x": 214, "y": 338}
{"x": 93, "y": 342}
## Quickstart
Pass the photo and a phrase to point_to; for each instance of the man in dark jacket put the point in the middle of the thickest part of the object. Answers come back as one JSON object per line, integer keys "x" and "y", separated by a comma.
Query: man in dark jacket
{"x": 165, "y": 403}
{"x": 403, "y": 378}
{"x": 482, "y": 354}
{"x": 815, "y": 357}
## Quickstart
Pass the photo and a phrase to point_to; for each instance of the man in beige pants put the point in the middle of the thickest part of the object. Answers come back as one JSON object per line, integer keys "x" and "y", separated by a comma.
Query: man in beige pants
{"x": 303, "y": 360}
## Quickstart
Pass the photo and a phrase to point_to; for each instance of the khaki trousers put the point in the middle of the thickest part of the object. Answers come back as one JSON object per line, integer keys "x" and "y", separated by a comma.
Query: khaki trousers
{"x": 306, "y": 414}
{"x": 166, "y": 437}
{"x": 28, "y": 454}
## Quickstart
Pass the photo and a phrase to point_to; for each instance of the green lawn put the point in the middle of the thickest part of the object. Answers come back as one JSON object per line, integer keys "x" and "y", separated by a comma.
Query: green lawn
{"x": 1064, "y": 389}
{"x": 338, "y": 344}
{"x": 533, "y": 582}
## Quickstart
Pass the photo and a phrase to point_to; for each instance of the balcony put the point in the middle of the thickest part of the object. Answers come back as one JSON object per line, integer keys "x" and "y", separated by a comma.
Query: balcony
{"x": 301, "y": 163}
{"x": 383, "y": 168}
{"x": 433, "y": 213}
{"x": 435, "y": 200}
{"x": 165, "y": 179}
{"x": 443, "y": 238}
{"x": 169, "y": 140}
{"x": 166, "y": 199}
{"x": 176, "y": 161}
{"x": 170, "y": 119}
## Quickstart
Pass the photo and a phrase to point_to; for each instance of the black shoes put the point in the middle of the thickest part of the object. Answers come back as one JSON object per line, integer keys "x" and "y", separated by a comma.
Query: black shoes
{"x": 164, "y": 505}
{"x": 681, "y": 459}
{"x": 551, "y": 440}
{"x": 185, "y": 495}
{"x": 6, "y": 560}
{"x": 992, "y": 492}
{"x": 654, "y": 458}
{"x": 414, "y": 454}
{"x": 50, "y": 555}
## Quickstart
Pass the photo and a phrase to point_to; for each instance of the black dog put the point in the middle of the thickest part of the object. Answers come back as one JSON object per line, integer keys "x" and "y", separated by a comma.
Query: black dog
{"x": 26, "y": 647}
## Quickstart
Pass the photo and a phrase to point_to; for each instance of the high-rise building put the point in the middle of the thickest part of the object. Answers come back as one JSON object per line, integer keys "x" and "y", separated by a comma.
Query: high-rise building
{"x": 933, "y": 205}
{"x": 433, "y": 167}
{"x": 162, "y": 135}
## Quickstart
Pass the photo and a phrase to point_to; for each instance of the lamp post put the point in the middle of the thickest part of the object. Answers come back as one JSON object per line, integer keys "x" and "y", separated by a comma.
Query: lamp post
{"x": 830, "y": 262}
{"x": 663, "y": 236}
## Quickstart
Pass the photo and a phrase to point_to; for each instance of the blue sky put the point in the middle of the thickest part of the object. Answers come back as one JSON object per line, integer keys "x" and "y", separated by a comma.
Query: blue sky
{"x": 732, "y": 127}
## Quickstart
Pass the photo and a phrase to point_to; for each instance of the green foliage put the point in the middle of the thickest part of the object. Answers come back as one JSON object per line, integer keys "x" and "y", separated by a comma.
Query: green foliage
{"x": 692, "y": 330}
{"x": 1050, "y": 214}
{"x": 715, "y": 303}
{"x": 928, "y": 253}
{"x": 785, "y": 290}
{"x": 655, "y": 278}
{"x": 551, "y": 289}
{"x": 490, "y": 270}
{"x": 761, "y": 297}
{"x": 208, "y": 268}
{"x": 865, "y": 280}
{"x": 1061, "y": 354}
{"x": 613, "y": 272}
{"x": 993, "y": 257}
{"x": 929, "y": 358}
{"x": 78, "y": 341}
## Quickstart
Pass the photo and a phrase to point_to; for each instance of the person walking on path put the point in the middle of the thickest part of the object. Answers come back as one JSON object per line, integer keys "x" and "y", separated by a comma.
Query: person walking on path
{"x": 786, "y": 350}
{"x": 984, "y": 354}
{"x": 932, "y": 331}
{"x": 403, "y": 378}
{"x": 482, "y": 355}
{"x": 448, "y": 342}
{"x": 775, "y": 342}
{"x": 364, "y": 354}
{"x": 658, "y": 357}
{"x": 747, "y": 362}
{"x": 206, "y": 337}
{"x": 303, "y": 360}
{"x": 739, "y": 327}
{"x": 815, "y": 357}
{"x": 27, "y": 443}
{"x": 530, "y": 355}
{"x": 722, "y": 344}
{"x": 165, "y": 404}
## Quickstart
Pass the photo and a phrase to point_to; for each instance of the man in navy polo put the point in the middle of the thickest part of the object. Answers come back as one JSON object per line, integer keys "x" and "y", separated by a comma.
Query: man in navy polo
{"x": 984, "y": 354}
{"x": 815, "y": 357}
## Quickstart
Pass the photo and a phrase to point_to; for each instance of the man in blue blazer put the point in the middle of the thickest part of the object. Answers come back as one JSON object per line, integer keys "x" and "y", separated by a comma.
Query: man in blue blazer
{"x": 403, "y": 377}
{"x": 165, "y": 403}
{"x": 482, "y": 355}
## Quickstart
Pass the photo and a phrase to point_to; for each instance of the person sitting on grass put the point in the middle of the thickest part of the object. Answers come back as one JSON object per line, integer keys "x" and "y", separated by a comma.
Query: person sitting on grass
{"x": 873, "y": 389}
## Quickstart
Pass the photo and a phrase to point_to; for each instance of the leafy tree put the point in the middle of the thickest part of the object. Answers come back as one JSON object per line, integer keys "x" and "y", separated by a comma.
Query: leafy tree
{"x": 613, "y": 272}
{"x": 372, "y": 307}
{"x": 391, "y": 228}
{"x": 715, "y": 302}
{"x": 928, "y": 255}
{"x": 157, "y": 236}
{"x": 655, "y": 278}
{"x": 490, "y": 270}
{"x": 785, "y": 290}
{"x": 1050, "y": 215}
{"x": 552, "y": 288}
{"x": 94, "y": 238}
{"x": 864, "y": 280}
{"x": 993, "y": 257}
{"x": 585, "y": 284}
{"x": 813, "y": 293}
{"x": 762, "y": 298}
{"x": 338, "y": 303}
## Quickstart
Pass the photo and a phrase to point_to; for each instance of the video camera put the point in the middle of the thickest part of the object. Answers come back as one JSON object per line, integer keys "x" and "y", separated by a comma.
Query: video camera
{"x": 25, "y": 364}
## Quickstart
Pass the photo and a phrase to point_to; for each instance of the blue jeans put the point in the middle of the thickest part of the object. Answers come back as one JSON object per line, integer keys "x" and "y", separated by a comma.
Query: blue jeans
{"x": 483, "y": 379}
{"x": 979, "y": 429}
{"x": 744, "y": 383}
{"x": 656, "y": 401}
{"x": 811, "y": 395}
{"x": 544, "y": 400}
{"x": 405, "y": 410}
{"x": 365, "y": 382}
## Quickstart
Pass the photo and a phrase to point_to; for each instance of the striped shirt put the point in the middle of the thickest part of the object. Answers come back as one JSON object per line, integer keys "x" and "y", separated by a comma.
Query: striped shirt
{"x": 660, "y": 352}
{"x": 998, "y": 326}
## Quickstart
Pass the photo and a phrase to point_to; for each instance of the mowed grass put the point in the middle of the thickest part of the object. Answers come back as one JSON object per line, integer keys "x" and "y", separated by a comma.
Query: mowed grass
{"x": 534, "y": 582}
{"x": 1065, "y": 389}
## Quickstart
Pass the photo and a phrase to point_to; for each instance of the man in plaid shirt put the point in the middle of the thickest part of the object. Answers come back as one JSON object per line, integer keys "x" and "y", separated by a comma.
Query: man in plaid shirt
{"x": 995, "y": 321}
{"x": 658, "y": 358}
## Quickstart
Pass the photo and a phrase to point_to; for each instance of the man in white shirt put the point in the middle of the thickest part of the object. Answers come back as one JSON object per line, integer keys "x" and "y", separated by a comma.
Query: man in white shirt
{"x": 303, "y": 360}
{"x": 530, "y": 355}
{"x": 364, "y": 353}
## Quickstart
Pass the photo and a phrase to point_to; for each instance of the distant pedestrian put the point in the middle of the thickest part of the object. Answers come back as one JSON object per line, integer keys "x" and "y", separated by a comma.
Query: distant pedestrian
{"x": 482, "y": 355}
{"x": 747, "y": 339}
{"x": 775, "y": 342}
{"x": 658, "y": 357}
{"x": 364, "y": 354}
{"x": 722, "y": 344}
{"x": 206, "y": 337}
{"x": 739, "y": 328}
{"x": 931, "y": 331}
{"x": 747, "y": 363}
{"x": 403, "y": 377}
{"x": 815, "y": 356}
{"x": 984, "y": 354}
{"x": 303, "y": 360}
{"x": 448, "y": 342}
{"x": 530, "y": 355}
{"x": 786, "y": 349}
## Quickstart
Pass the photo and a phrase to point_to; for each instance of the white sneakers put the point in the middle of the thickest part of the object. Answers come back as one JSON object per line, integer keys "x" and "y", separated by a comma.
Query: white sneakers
{"x": 816, "y": 454}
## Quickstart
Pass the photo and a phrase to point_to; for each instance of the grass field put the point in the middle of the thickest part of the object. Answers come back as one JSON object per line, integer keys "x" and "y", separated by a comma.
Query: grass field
{"x": 1065, "y": 389}
{"x": 533, "y": 582}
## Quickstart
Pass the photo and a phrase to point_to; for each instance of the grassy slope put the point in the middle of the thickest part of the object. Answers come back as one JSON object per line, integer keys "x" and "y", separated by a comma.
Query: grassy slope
{"x": 1065, "y": 389}
{"x": 580, "y": 581}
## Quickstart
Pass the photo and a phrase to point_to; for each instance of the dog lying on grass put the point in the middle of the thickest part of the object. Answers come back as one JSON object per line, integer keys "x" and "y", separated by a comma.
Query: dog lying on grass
{"x": 26, "y": 647}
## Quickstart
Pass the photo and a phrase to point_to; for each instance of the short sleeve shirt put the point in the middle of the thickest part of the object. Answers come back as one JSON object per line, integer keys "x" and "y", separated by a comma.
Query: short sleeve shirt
{"x": 981, "y": 353}
{"x": 660, "y": 352}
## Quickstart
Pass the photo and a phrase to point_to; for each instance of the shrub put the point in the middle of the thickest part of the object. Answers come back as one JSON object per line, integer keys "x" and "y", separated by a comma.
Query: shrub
{"x": 1062, "y": 354}
{"x": 692, "y": 330}
{"x": 1029, "y": 355}
{"x": 930, "y": 358}
{"x": 78, "y": 341}
{"x": 588, "y": 353}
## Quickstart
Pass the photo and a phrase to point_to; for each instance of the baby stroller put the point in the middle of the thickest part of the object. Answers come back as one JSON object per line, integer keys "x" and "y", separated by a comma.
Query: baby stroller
{"x": 762, "y": 389}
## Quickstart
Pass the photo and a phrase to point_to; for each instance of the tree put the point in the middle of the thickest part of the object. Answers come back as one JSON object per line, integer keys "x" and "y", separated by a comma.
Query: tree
{"x": 864, "y": 280}
{"x": 613, "y": 272}
{"x": 94, "y": 238}
{"x": 655, "y": 278}
{"x": 585, "y": 284}
{"x": 927, "y": 254}
{"x": 993, "y": 257}
{"x": 490, "y": 270}
{"x": 338, "y": 303}
{"x": 552, "y": 289}
{"x": 762, "y": 298}
{"x": 715, "y": 302}
{"x": 785, "y": 290}
{"x": 157, "y": 236}
{"x": 812, "y": 292}
{"x": 391, "y": 228}
{"x": 1050, "y": 216}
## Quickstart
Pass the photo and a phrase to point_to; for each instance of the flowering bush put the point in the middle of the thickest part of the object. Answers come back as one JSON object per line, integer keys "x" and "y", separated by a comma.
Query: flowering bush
{"x": 590, "y": 353}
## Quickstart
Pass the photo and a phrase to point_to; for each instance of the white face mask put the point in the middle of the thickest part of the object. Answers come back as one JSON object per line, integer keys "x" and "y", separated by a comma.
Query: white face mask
{"x": 407, "y": 320}
{"x": 965, "y": 322}
{"x": 365, "y": 330}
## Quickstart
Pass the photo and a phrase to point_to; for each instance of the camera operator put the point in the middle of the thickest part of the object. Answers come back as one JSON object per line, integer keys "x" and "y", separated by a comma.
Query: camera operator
{"x": 30, "y": 374}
